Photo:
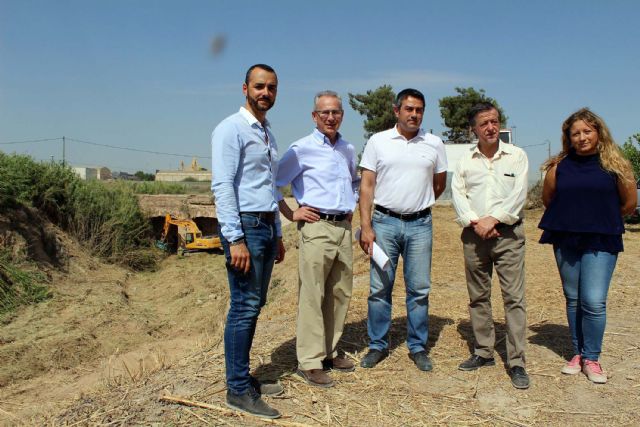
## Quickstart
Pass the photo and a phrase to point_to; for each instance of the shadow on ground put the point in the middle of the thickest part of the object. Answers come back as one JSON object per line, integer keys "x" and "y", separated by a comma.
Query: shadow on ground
{"x": 554, "y": 337}
{"x": 354, "y": 341}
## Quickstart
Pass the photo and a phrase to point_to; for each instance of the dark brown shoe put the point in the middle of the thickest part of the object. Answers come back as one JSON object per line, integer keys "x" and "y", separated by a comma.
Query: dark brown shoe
{"x": 316, "y": 377}
{"x": 340, "y": 363}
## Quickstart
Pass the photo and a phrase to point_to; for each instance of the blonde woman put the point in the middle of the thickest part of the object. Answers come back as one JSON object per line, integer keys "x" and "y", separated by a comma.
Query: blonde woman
{"x": 589, "y": 186}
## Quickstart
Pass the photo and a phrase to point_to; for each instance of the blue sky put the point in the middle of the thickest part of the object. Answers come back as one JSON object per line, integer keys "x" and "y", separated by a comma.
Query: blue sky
{"x": 141, "y": 74}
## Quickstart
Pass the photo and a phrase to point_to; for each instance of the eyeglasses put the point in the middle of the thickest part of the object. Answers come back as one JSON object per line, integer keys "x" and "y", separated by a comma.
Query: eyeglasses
{"x": 324, "y": 114}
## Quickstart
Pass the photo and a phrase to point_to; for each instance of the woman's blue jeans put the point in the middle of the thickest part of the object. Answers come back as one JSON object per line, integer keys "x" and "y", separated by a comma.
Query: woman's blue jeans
{"x": 248, "y": 294}
{"x": 585, "y": 280}
{"x": 412, "y": 241}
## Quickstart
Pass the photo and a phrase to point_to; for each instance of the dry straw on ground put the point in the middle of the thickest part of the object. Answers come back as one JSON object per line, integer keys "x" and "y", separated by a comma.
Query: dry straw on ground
{"x": 395, "y": 392}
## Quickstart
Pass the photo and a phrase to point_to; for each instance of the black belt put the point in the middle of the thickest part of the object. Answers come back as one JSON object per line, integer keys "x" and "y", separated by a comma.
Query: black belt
{"x": 333, "y": 217}
{"x": 406, "y": 216}
{"x": 269, "y": 217}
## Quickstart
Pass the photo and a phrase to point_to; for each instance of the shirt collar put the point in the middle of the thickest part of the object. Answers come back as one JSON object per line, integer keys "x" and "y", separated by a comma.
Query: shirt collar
{"x": 395, "y": 134}
{"x": 322, "y": 138}
{"x": 503, "y": 148}
{"x": 251, "y": 119}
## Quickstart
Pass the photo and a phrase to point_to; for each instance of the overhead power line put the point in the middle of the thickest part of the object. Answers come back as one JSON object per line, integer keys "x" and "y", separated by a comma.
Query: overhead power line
{"x": 31, "y": 140}
{"x": 115, "y": 147}
{"x": 136, "y": 149}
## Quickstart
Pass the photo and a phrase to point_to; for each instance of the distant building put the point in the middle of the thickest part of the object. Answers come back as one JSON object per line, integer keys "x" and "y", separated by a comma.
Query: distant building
{"x": 193, "y": 173}
{"x": 125, "y": 176}
{"x": 92, "y": 172}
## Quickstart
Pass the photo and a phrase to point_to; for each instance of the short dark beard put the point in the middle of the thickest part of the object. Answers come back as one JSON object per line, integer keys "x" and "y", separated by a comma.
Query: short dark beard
{"x": 256, "y": 106}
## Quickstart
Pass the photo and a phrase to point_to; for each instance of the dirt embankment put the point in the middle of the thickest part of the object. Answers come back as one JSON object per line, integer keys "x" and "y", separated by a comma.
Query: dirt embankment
{"x": 110, "y": 343}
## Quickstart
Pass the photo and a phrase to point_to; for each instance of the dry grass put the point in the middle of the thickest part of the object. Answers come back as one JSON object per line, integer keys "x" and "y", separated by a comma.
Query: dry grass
{"x": 395, "y": 392}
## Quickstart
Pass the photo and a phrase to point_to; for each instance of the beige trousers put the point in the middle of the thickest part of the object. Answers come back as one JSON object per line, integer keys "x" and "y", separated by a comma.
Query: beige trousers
{"x": 506, "y": 253}
{"x": 326, "y": 280}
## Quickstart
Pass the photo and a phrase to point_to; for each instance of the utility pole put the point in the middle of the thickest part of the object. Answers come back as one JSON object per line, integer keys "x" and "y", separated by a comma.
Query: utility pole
{"x": 64, "y": 147}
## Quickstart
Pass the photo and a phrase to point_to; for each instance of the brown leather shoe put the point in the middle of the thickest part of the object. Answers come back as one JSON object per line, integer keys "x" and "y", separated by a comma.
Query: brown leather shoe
{"x": 340, "y": 363}
{"x": 316, "y": 377}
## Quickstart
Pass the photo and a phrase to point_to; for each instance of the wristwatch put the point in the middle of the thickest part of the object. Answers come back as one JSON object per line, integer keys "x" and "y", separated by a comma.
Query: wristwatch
{"x": 239, "y": 241}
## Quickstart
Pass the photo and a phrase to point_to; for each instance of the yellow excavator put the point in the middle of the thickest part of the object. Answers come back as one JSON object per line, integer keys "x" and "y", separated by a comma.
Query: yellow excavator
{"x": 185, "y": 236}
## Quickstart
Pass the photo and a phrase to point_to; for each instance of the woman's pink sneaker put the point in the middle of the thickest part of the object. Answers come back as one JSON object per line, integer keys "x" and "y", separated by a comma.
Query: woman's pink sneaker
{"x": 573, "y": 366}
{"x": 594, "y": 372}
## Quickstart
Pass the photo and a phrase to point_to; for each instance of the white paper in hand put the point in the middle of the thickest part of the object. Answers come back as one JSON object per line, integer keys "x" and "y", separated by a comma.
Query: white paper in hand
{"x": 378, "y": 256}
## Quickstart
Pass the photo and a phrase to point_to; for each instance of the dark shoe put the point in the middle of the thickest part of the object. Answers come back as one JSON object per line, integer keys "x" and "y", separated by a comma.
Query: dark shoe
{"x": 267, "y": 389}
{"x": 422, "y": 361}
{"x": 519, "y": 377}
{"x": 251, "y": 403}
{"x": 373, "y": 358}
{"x": 475, "y": 362}
{"x": 340, "y": 363}
{"x": 316, "y": 377}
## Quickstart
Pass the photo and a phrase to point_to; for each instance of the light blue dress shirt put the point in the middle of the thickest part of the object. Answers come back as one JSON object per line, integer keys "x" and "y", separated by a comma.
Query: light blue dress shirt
{"x": 322, "y": 175}
{"x": 244, "y": 167}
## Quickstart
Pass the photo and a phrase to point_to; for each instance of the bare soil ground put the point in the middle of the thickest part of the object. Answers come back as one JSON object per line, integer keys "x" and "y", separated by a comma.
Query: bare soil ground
{"x": 110, "y": 343}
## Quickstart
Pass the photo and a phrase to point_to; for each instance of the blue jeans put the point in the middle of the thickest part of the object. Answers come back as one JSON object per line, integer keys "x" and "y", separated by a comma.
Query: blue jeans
{"x": 412, "y": 240}
{"x": 248, "y": 294}
{"x": 585, "y": 280}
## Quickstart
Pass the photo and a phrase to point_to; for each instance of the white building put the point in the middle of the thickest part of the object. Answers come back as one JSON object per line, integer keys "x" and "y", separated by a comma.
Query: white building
{"x": 92, "y": 172}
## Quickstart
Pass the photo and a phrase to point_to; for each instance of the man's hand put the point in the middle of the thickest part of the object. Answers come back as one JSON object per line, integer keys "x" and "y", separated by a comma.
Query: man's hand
{"x": 240, "y": 258}
{"x": 350, "y": 217}
{"x": 306, "y": 214}
{"x": 281, "y": 251}
{"x": 367, "y": 237}
{"x": 485, "y": 227}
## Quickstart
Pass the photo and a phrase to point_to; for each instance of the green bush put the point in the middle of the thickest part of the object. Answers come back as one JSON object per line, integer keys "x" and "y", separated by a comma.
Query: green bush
{"x": 105, "y": 218}
{"x": 19, "y": 285}
{"x": 157, "y": 187}
{"x": 109, "y": 221}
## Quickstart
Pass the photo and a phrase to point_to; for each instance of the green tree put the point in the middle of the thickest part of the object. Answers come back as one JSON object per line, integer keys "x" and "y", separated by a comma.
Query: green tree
{"x": 377, "y": 107}
{"x": 454, "y": 110}
{"x": 145, "y": 176}
{"x": 632, "y": 153}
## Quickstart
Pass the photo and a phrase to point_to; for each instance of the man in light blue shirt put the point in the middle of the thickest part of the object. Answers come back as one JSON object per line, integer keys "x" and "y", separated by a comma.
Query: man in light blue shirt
{"x": 245, "y": 163}
{"x": 322, "y": 171}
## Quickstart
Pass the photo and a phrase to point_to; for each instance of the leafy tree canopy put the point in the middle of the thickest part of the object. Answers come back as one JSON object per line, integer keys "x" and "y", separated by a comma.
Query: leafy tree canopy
{"x": 145, "y": 176}
{"x": 454, "y": 110}
{"x": 377, "y": 107}
{"x": 632, "y": 153}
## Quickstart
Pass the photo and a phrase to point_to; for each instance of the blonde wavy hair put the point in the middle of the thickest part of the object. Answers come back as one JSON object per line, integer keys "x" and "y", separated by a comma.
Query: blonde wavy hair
{"x": 611, "y": 158}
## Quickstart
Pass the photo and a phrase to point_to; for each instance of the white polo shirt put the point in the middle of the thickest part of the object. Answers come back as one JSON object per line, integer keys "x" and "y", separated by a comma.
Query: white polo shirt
{"x": 404, "y": 169}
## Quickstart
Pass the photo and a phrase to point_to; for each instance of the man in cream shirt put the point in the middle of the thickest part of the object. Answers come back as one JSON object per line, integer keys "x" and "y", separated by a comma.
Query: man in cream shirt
{"x": 489, "y": 189}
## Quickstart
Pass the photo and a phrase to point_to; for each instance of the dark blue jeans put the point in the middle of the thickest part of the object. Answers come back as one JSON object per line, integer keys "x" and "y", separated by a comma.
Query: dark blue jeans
{"x": 248, "y": 294}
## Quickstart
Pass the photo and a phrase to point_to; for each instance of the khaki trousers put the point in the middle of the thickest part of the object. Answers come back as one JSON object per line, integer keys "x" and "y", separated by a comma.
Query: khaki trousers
{"x": 506, "y": 253}
{"x": 326, "y": 280}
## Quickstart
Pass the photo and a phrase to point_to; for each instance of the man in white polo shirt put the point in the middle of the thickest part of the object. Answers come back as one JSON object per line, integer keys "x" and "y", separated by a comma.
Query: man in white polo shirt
{"x": 404, "y": 171}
